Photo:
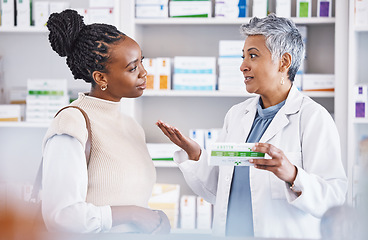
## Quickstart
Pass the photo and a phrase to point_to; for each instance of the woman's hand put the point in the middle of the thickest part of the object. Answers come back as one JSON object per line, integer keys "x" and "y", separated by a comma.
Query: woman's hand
{"x": 164, "y": 227}
{"x": 146, "y": 220}
{"x": 187, "y": 144}
{"x": 279, "y": 164}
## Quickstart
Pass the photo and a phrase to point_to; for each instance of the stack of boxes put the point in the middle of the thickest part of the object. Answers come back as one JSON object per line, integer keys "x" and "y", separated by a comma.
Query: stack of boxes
{"x": 195, "y": 213}
{"x": 158, "y": 73}
{"x": 45, "y": 98}
{"x": 230, "y": 58}
{"x": 25, "y": 13}
{"x": 152, "y": 8}
{"x": 194, "y": 73}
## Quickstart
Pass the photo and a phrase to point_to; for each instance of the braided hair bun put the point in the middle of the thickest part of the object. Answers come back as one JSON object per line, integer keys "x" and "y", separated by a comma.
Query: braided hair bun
{"x": 64, "y": 28}
{"x": 87, "y": 47}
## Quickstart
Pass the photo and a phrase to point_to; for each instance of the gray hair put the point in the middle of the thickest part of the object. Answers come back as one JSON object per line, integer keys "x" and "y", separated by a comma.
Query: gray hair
{"x": 282, "y": 36}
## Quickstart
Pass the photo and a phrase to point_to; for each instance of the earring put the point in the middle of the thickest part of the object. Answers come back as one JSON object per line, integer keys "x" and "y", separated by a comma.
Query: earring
{"x": 282, "y": 80}
{"x": 104, "y": 87}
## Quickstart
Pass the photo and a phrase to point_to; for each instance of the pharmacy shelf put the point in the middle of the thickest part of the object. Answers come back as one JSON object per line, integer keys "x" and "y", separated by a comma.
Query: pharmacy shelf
{"x": 176, "y": 93}
{"x": 25, "y": 124}
{"x": 361, "y": 121}
{"x": 222, "y": 21}
{"x": 23, "y": 30}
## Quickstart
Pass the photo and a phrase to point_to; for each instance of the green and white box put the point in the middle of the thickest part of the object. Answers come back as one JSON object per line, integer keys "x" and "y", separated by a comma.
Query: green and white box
{"x": 201, "y": 8}
{"x": 232, "y": 154}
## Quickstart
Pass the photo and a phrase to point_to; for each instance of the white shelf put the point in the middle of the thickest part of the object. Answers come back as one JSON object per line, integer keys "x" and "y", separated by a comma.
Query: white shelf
{"x": 361, "y": 121}
{"x": 25, "y": 124}
{"x": 222, "y": 21}
{"x": 174, "y": 93}
{"x": 30, "y": 29}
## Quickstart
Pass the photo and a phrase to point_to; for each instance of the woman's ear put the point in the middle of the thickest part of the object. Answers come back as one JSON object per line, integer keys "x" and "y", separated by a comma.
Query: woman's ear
{"x": 285, "y": 62}
{"x": 99, "y": 78}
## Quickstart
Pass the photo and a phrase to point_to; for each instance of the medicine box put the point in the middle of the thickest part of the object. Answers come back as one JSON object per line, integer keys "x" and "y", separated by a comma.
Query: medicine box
{"x": 318, "y": 82}
{"x": 166, "y": 197}
{"x": 152, "y": 11}
{"x": 188, "y": 211}
{"x": 23, "y": 13}
{"x": 163, "y": 69}
{"x": 360, "y": 95}
{"x": 101, "y": 15}
{"x": 260, "y": 8}
{"x": 7, "y": 13}
{"x": 194, "y": 73}
{"x": 190, "y": 8}
{"x": 361, "y": 12}
{"x": 324, "y": 8}
{"x": 10, "y": 112}
{"x": 204, "y": 214}
{"x": 283, "y": 8}
{"x": 162, "y": 151}
{"x": 232, "y": 154}
{"x": 41, "y": 13}
{"x": 303, "y": 8}
{"x": 150, "y": 66}
{"x": 198, "y": 136}
{"x": 231, "y": 8}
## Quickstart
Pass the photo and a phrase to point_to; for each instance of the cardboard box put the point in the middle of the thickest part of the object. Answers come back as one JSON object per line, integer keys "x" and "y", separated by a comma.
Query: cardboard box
{"x": 162, "y": 151}
{"x": 190, "y": 9}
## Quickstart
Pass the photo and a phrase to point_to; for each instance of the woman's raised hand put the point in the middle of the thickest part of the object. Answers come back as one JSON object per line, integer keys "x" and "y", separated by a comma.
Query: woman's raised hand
{"x": 187, "y": 144}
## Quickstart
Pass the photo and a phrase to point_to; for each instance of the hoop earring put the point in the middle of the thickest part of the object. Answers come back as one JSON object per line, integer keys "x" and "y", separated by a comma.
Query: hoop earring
{"x": 104, "y": 87}
{"x": 282, "y": 80}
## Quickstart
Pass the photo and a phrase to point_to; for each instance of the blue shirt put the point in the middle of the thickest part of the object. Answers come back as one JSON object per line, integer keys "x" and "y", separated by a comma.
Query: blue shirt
{"x": 239, "y": 215}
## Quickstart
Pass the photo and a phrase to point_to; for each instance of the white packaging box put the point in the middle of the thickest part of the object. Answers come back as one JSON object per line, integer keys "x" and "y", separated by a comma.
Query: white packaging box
{"x": 318, "y": 82}
{"x": 324, "y": 8}
{"x": 204, "y": 214}
{"x": 7, "y": 13}
{"x": 165, "y": 197}
{"x": 303, "y": 8}
{"x": 230, "y": 79}
{"x": 231, "y": 48}
{"x": 198, "y": 136}
{"x": 361, "y": 101}
{"x": 283, "y": 8}
{"x": 57, "y": 7}
{"x": 190, "y": 9}
{"x": 10, "y": 112}
{"x": 150, "y": 66}
{"x": 260, "y": 8}
{"x": 41, "y": 13}
{"x": 151, "y": 2}
{"x": 101, "y": 3}
{"x": 210, "y": 136}
{"x": 194, "y": 73}
{"x": 152, "y": 11}
{"x": 361, "y": 12}
{"x": 23, "y": 13}
{"x": 188, "y": 212}
{"x": 232, "y": 154}
{"x": 162, "y": 151}
{"x": 163, "y": 70}
{"x": 101, "y": 15}
{"x": 230, "y": 9}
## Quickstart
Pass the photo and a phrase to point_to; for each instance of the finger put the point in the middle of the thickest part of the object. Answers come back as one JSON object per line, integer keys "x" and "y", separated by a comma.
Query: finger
{"x": 265, "y": 162}
{"x": 268, "y": 149}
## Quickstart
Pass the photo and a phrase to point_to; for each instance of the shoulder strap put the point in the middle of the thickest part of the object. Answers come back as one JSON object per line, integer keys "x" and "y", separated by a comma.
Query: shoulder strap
{"x": 88, "y": 124}
{"x": 38, "y": 181}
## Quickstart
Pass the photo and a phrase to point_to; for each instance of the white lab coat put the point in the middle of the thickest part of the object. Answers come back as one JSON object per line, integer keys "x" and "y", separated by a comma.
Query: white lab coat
{"x": 307, "y": 135}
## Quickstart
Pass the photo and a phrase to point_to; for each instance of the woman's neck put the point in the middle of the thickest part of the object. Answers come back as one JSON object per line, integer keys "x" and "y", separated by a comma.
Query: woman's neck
{"x": 275, "y": 97}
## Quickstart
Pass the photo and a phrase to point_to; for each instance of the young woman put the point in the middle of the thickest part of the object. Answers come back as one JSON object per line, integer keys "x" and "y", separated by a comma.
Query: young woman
{"x": 112, "y": 194}
{"x": 284, "y": 196}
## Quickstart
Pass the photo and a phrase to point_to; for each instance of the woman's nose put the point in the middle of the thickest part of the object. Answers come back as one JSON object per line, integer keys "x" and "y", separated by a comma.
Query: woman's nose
{"x": 143, "y": 72}
{"x": 244, "y": 67}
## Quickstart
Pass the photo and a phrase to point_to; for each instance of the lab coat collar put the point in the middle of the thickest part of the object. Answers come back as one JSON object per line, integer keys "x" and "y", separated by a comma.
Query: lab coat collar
{"x": 292, "y": 105}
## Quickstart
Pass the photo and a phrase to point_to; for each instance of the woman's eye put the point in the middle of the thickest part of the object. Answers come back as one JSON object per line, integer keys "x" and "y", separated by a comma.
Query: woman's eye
{"x": 133, "y": 69}
{"x": 252, "y": 55}
{"x": 142, "y": 59}
{"x": 242, "y": 57}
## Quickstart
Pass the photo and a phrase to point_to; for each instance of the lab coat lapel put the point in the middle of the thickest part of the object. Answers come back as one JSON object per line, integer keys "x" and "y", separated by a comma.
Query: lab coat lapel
{"x": 248, "y": 119}
{"x": 281, "y": 120}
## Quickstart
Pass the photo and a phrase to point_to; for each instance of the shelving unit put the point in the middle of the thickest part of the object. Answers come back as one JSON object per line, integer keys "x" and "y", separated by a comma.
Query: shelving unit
{"x": 357, "y": 128}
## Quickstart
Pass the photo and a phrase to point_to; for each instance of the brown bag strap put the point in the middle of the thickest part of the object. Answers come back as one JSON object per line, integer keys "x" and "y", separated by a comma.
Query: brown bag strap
{"x": 88, "y": 124}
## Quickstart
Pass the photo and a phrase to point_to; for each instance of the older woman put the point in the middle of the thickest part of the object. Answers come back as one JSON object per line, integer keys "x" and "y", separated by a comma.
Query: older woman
{"x": 284, "y": 196}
